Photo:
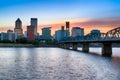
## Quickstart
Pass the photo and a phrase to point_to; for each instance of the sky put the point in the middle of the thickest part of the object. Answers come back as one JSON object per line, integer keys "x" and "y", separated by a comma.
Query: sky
{"x": 88, "y": 14}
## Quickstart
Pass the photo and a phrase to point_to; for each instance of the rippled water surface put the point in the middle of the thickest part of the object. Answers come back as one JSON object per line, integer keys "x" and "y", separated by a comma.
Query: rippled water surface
{"x": 58, "y": 64}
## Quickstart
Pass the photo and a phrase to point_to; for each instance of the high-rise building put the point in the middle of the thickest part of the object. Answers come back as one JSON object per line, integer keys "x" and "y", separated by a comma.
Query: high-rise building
{"x": 46, "y": 33}
{"x": 68, "y": 27}
{"x": 31, "y": 32}
{"x": 34, "y": 23}
{"x": 60, "y": 34}
{"x": 18, "y": 28}
{"x": 11, "y": 35}
{"x": 77, "y": 31}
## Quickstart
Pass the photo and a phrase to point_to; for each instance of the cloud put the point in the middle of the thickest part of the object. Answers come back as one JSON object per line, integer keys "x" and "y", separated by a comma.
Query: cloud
{"x": 96, "y": 22}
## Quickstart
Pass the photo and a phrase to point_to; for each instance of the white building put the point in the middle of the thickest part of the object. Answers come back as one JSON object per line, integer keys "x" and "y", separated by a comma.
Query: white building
{"x": 12, "y": 36}
{"x": 25, "y": 34}
{"x": 77, "y": 31}
{"x": 60, "y": 34}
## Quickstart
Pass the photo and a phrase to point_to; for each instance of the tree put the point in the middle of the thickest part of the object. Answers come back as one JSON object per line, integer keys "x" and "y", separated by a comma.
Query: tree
{"x": 35, "y": 42}
{"x": 22, "y": 40}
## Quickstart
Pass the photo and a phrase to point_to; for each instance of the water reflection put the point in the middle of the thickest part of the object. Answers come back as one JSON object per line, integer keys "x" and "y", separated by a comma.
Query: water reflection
{"x": 57, "y": 64}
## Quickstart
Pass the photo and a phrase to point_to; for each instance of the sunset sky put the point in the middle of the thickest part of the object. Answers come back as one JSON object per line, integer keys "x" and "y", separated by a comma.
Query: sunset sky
{"x": 88, "y": 14}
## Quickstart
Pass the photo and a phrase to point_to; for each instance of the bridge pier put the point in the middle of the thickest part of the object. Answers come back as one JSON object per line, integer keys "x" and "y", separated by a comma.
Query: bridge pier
{"x": 85, "y": 47}
{"x": 62, "y": 46}
{"x": 67, "y": 46}
{"x": 107, "y": 49}
{"x": 74, "y": 46}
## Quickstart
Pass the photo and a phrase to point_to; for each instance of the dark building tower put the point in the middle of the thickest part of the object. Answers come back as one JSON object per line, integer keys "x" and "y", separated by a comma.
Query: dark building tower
{"x": 18, "y": 28}
{"x": 67, "y": 25}
{"x": 62, "y": 28}
{"x": 67, "y": 28}
{"x": 35, "y": 24}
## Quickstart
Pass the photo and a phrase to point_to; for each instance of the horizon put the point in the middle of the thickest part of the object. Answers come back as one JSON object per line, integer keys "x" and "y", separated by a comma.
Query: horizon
{"x": 88, "y": 14}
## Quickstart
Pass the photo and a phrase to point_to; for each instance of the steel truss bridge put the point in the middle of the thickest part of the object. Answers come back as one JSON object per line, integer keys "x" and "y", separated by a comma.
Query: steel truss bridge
{"x": 112, "y": 36}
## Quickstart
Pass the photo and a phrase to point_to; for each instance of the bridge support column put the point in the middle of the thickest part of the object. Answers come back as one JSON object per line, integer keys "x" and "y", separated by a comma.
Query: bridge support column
{"x": 85, "y": 47}
{"x": 74, "y": 46}
{"x": 67, "y": 46}
{"x": 107, "y": 49}
{"x": 62, "y": 46}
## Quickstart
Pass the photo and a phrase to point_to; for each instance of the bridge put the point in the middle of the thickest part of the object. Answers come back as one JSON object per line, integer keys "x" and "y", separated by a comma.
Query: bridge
{"x": 106, "y": 39}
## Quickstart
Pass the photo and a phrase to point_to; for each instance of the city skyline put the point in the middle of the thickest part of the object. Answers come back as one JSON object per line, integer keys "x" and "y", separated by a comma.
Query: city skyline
{"x": 88, "y": 14}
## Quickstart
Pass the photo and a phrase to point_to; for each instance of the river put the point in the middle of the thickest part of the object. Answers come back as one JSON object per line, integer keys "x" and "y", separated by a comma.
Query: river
{"x": 58, "y": 64}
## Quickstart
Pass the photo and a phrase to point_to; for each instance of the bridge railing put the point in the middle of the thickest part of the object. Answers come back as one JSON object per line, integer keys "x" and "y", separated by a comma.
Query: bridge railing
{"x": 84, "y": 38}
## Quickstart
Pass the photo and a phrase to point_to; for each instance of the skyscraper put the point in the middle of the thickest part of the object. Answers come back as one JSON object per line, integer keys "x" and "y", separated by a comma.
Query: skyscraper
{"x": 31, "y": 32}
{"x": 18, "y": 28}
{"x": 35, "y": 24}
{"x": 67, "y": 28}
{"x": 67, "y": 25}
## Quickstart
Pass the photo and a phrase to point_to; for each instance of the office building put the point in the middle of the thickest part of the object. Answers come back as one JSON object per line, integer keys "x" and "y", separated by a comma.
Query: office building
{"x": 25, "y": 34}
{"x": 60, "y": 34}
{"x": 68, "y": 27}
{"x": 11, "y": 35}
{"x": 77, "y": 31}
{"x": 18, "y": 28}
{"x": 46, "y": 33}
{"x": 3, "y": 36}
{"x": 34, "y": 23}
{"x": 31, "y": 32}
{"x": 95, "y": 31}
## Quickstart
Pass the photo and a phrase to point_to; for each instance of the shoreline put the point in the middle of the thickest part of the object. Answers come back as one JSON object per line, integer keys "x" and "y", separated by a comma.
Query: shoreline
{"x": 12, "y": 45}
{"x": 42, "y": 47}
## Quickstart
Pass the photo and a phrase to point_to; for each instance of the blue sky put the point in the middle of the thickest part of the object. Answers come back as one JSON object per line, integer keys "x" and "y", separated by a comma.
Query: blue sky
{"x": 53, "y": 11}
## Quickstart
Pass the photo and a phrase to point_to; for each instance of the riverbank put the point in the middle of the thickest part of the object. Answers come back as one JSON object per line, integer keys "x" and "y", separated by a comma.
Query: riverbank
{"x": 25, "y": 45}
{"x": 41, "y": 45}
{"x": 15, "y": 45}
